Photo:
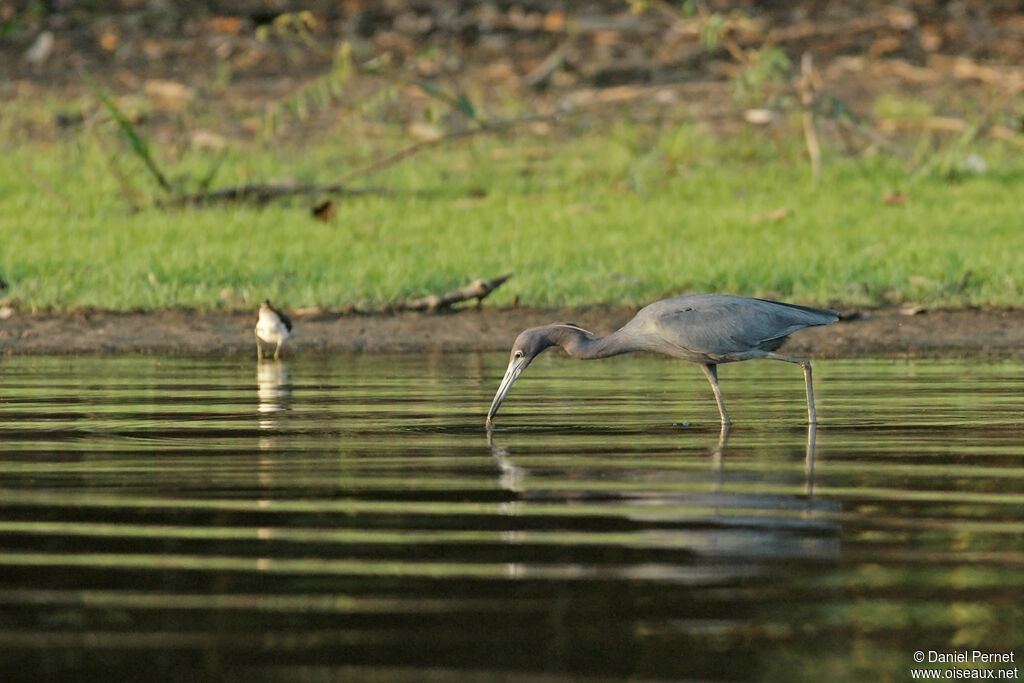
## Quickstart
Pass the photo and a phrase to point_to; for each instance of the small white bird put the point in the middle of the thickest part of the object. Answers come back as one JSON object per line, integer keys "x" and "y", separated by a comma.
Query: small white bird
{"x": 272, "y": 327}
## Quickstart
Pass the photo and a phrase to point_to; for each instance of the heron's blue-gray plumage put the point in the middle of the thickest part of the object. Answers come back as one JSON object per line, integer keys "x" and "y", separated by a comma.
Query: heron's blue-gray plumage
{"x": 703, "y": 328}
{"x": 720, "y": 328}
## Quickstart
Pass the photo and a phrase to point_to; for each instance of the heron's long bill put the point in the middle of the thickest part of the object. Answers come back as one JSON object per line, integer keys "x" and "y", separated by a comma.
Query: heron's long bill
{"x": 515, "y": 368}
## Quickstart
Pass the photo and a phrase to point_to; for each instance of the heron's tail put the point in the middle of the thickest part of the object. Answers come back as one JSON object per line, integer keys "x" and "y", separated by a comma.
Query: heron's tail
{"x": 811, "y": 317}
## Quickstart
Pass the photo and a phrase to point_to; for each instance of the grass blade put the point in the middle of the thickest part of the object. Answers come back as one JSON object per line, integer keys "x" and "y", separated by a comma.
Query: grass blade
{"x": 136, "y": 143}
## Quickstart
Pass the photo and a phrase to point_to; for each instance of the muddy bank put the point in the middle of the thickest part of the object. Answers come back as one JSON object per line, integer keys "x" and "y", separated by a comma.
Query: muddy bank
{"x": 882, "y": 332}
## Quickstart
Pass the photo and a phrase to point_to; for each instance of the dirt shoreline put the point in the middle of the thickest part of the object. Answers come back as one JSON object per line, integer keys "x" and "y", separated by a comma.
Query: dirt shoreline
{"x": 886, "y": 332}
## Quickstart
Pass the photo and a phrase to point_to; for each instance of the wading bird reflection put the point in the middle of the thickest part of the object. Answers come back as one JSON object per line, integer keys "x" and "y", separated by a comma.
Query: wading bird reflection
{"x": 708, "y": 329}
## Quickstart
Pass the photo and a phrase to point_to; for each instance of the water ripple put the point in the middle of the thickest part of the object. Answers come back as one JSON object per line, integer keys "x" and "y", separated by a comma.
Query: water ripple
{"x": 348, "y": 518}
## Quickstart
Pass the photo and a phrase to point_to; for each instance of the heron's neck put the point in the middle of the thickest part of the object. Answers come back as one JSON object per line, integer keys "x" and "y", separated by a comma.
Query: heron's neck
{"x": 579, "y": 345}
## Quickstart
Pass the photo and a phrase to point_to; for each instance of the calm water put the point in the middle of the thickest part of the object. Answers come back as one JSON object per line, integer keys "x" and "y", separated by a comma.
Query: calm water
{"x": 346, "y": 518}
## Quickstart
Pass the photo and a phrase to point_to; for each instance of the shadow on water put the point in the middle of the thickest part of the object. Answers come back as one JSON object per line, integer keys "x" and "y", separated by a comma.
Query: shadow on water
{"x": 349, "y": 518}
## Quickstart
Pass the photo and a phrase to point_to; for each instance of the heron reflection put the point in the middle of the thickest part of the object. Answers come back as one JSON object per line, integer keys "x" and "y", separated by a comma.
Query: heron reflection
{"x": 741, "y": 518}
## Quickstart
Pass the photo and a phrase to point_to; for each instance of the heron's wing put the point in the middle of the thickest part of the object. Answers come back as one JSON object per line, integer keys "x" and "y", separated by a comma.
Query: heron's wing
{"x": 724, "y": 325}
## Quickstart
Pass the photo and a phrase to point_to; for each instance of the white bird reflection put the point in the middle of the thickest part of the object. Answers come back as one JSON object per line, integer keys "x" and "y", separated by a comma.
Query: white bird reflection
{"x": 274, "y": 390}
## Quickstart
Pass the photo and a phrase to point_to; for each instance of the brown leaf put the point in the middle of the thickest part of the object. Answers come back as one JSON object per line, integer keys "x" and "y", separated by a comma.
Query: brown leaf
{"x": 324, "y": 211}
{"x": 554, "y": 21}
{"x": 108, "y": 40}
{"x": 231, "y": 26}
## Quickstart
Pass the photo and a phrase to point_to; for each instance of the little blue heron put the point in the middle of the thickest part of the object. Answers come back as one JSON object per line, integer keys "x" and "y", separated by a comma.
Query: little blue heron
{"x": 702, "y": 328}
{"x": 273, "y": 326}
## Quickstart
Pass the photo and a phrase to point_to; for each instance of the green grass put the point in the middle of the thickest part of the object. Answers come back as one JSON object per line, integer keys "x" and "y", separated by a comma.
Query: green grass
{"x": 626, "y": 213}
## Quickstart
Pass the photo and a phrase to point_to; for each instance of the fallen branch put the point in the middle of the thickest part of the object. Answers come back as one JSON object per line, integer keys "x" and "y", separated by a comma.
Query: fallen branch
{"x": 261, "y": 193}
{"x": 478, "y": 289}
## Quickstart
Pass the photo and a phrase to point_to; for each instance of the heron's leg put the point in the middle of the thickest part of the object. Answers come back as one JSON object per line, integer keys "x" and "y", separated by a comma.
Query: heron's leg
{"x": 812, "y": 430}
{"x": 723, "y": 440}
{"x": 711, "y": 372}
{"x": 277, "y": 351}
{"x": 812, "y": 415}
{"x": 259, "y": 349}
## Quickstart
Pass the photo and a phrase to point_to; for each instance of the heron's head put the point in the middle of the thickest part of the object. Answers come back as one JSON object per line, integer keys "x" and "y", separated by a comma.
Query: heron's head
{"x": 527, "y": 346}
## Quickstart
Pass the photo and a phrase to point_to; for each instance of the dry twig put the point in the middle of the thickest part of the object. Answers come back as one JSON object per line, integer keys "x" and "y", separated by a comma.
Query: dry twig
{"x": 263, "y": 193}
{"x": 478, "y": 289}
{"x": 552, "y": 63}
{"x": 419, "y": 146}
{"x": 44, "y": 186}
{"x": 806, "y": 86}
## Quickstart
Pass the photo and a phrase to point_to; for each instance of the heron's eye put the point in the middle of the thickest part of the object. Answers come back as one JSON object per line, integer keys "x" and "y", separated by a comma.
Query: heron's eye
{"x": 518, "y": 354}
